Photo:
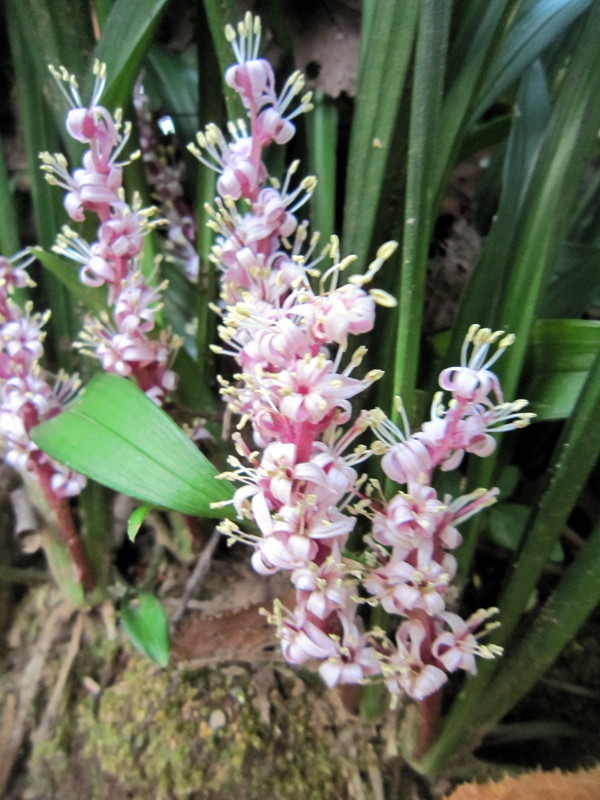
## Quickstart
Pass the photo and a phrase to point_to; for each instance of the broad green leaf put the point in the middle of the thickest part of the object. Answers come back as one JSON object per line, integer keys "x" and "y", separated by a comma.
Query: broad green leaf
{"x": 559, "y": 359}
{"x": 145, "y": 623}
{"x": 116, "y": 435}
{"x": 93, "y": 299}
{"x": 126, "y": 37}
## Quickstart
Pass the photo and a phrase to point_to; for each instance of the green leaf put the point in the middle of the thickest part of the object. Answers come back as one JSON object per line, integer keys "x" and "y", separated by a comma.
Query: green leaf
{"x": 39, "y": 134}
{"x": 494, "y": 265}
{"x": 551, "y": 195}
{"x": 560, "y": 356}
{"x": 387, "y": 41}
{"x": 136, "y": 520}
{"x": 215, "y": 14}
{"x": 125, "y": 39}
{"x": 57, "y": 33}
{"x": 116, "y": 435}
{"x": 563, "y": 614}
{"x": 321, "y": 133}
{"x": 145, "y": 623}
{"x": 9, "y": 230}
{"x": 180, "y": 305}
{"x": 575, "y": 283}
{"x": 475, "y": 46}
{"x": 419, "y": 215}
{"x": 541, "y": 22}
{"x": 507, "y": 522}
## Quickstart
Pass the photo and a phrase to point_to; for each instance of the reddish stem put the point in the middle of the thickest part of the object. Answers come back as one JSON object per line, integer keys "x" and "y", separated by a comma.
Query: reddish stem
{"x": 69, "y": 533}
{"x": 427, "y": 723}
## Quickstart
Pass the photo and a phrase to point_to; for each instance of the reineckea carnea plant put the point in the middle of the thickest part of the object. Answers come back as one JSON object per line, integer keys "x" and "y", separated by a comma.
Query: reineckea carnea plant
{"x": 300, "y": 488}
{"x": 377, "y": 565}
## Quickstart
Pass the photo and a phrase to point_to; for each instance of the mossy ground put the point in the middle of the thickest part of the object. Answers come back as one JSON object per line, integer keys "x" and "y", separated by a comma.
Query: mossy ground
{"x": 139, "y": 731}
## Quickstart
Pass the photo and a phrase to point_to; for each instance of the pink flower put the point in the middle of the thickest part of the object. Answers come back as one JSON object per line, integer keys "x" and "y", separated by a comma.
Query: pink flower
{"x": 354, "y": 659}
{"x": 311, "y": 389}
{"x": 457, "y": 648}
{"x": 406, "y": 670}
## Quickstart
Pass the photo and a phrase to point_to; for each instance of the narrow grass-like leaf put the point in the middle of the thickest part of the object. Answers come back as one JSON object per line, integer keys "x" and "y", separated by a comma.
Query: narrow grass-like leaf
{"x": 428, "y": 79}
{"x": 388, "y": 43}
{"x": 217, "y": 14}
{"x": 40, "y": 134}
{"x": 575, "y": 455}
{"x": 9, "y": 229}
{"x": 534, "y": 245}
{"x": 126, "y": 37}
{"x": 534, "y": 30}
{"x": 210, "y": 109}
{"x": 480, "y": 300}
{"x": 145, "y": 623}
{"x": 321, "y": 134}
{"x": 575, "y": 283}
{"x": 116, "y": 435}
{"x": 471, "y": 54}
{"x": 58, "y": 33}
{"x": 551, "y": 194}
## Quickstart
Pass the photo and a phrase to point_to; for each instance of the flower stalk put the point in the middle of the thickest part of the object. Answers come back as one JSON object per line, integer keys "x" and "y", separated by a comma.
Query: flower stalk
{"x": 28, "y": 396}
{"x": 287, "y": 326}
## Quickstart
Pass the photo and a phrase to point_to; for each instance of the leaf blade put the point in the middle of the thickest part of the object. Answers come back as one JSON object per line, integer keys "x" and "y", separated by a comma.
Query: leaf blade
{"x": 145, "y": 623}
{"x": 116, "y": 435}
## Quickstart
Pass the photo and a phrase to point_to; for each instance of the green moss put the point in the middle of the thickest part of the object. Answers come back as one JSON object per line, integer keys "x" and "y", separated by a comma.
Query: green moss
{"x": 198, "y": 734}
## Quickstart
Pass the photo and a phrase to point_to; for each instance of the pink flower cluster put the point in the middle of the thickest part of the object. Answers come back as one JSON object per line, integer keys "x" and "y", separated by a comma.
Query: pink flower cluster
{"x": 26, "y": 395}
{"x": 123, "y": 345}
{"x": 300, "y": 487}
{"x": 410, "y": 565}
